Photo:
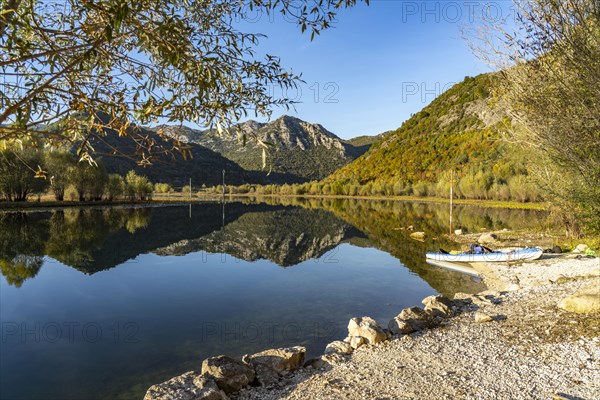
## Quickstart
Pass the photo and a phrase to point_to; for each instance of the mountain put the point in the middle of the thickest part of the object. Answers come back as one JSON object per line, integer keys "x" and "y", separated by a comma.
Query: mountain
{"x": 459, "y": 130}
{"x": 203, "y": 166}
{"x": 302, "y": 150}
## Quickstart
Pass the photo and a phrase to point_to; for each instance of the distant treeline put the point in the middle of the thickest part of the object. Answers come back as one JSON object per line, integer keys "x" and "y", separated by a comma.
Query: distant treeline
{"x": 477, "y": 185}
{"x": 28, "y": 172}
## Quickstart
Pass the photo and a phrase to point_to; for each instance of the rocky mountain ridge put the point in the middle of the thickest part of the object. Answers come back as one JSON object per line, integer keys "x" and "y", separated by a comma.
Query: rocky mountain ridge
{"x": 304, "y": 150}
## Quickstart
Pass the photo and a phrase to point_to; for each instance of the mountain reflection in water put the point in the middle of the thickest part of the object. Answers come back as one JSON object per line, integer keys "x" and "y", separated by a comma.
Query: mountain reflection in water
{"x": 96, "y": 239}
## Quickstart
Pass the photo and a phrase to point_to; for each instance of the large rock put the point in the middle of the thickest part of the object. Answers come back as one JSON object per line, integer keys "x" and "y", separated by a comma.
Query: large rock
{"x": 279, "y": 360}
{"x": 400, "y": 327}
{"x": 339, "y": 347}
{"x": 189, "y": 386}
{"x": 355, "y": 341}
{"x": 487, "y": 238}
{"x": 367, "y": 328}
{"x": 265, "y": 376}
{"x": 316, "y": 363}
{"x": 581, "y": 248}
{"x": 416, "y": 317}
{"x": 586, "y": 300}
{"x": 438, "y": 306}
{"x": 229, "y": 374}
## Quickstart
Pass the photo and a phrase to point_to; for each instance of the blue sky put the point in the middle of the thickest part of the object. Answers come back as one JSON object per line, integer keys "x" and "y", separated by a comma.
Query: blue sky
{"x": 379, "y": 64}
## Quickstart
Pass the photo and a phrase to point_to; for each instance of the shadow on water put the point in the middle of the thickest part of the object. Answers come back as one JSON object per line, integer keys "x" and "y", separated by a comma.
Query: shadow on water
{"x": 167, "y": 268}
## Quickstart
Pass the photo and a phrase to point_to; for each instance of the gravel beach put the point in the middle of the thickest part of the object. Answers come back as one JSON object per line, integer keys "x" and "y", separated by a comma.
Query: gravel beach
{"x": 529, "y": 348}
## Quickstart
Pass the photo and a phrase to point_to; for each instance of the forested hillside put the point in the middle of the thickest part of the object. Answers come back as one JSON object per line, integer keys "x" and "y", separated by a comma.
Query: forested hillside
{"x": 457, "y": 136}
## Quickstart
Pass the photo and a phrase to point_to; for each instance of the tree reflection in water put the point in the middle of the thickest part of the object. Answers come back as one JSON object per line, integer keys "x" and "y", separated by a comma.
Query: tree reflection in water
{"x": 286, "y": 232}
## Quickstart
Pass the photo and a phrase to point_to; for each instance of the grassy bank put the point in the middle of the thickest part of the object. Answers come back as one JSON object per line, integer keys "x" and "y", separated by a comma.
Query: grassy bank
{"x": 480, "y": 203}
{"x": 175, "y": 198}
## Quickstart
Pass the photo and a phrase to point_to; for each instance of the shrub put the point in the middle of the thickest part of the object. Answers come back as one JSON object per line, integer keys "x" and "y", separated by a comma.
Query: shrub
{"x": 420, "y": 189}
{"x": 17, "y": 179}
{"x": 337, "y": 189}
{"x": 115, "y": 186}
{"x": 89, "y": 180}
{"x": 398, "y": 188}
{"x": 138, "y": 187}
{"x": 299, "y": 190}
{"x": 57, "y": 166}
{"x": 163, "y": 188}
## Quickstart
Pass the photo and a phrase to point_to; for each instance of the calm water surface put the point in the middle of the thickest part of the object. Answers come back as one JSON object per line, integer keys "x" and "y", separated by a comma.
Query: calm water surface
{"x": 102, "y": 303}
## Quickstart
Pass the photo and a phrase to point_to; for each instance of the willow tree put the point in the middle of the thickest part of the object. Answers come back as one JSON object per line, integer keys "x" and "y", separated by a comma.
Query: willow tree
{"x": 549, "y": 55}
{"x": 95, "y": 65}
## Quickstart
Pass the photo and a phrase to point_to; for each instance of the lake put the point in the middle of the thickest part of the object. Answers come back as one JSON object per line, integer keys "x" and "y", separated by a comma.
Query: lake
{"x": 100, "y": 303}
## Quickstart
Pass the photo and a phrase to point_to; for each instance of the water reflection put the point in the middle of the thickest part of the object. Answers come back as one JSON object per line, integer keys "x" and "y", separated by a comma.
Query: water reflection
{"x": 186, "y": 277}
{"x": 97, "y": 239}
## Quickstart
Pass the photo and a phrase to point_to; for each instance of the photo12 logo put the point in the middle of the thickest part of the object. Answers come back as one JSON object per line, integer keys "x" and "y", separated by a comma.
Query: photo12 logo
{"x": 69, "y": 332}
{"x": 456, "y": 11}
{"x": 268, "y": 332}
{"x": 425, "y": 92}
{"x": 316, "y": 92}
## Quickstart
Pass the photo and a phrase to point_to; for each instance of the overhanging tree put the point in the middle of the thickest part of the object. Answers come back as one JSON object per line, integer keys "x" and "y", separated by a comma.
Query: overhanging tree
{"x": 95, "y": 65}
{"x": 550, "y": 62}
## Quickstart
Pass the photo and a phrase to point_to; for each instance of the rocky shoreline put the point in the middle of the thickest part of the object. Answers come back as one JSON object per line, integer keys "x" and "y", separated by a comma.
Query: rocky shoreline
{"x": 540, "y": 339}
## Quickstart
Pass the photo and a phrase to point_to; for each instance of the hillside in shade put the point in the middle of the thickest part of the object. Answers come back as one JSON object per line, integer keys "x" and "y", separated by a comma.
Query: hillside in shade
{"x": 203, "y": 165}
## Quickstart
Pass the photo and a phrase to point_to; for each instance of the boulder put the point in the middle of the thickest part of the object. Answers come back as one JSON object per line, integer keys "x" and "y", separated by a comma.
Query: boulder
{"x": 581, "y": 248}
{"x": 355, "y": 341}
{"x": 265, "y": 376}
{"x": 584, "y": 301}
{"x": 463, "y": 301}
{"x": 482, "y": 317}
{"x": 458, "y": 232}
{"x": 316, "y": 363}
{"x": 416, "y": 317}
{"x": 438, "y": 306}
{"x": 556, "y": 250}
{"x": 400, "y": 327}
{"x": 279, "y": 360}
{"x": 487, "y": 238}
{"x": 189, "y": 386}
{"x": 339, "y": 347}
{"x": 367, "y": 328}
{"x": 229, "y": 374}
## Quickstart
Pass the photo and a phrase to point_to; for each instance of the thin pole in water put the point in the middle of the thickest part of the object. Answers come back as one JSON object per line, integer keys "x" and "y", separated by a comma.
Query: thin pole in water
{"x": 451, "y": 184}
{"x": 223, "y": 184}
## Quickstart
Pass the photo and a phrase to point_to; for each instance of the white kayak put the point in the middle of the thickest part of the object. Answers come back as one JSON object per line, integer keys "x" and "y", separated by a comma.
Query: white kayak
{"x": 529, "y": 253}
